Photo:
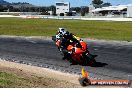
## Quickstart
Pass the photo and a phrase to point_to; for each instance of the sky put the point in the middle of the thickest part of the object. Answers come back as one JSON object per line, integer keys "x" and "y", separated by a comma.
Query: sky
{"x": 73, "y": 3}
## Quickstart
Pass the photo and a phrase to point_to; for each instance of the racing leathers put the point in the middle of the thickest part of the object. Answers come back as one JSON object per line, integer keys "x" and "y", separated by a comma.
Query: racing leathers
{"x": 67, "y": 39}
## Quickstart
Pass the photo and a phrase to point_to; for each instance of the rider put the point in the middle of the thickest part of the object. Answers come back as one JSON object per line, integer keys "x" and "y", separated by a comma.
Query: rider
{"x": 66, "y": 38}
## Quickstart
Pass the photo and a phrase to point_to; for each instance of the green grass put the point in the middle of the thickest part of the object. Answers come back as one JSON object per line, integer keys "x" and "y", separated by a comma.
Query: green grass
{"x": 11, "y": 80}
{"x": 17, "y": 80}
{"x": 47, "y": 27}
{"x": 8, "y": 80}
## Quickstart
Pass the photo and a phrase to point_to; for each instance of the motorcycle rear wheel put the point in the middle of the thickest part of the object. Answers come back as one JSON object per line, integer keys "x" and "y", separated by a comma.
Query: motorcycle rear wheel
{"x": 90, "y": 60}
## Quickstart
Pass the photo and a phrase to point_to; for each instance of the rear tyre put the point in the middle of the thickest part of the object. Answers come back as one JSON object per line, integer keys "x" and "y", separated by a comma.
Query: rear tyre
{"x": 92, "y": 61}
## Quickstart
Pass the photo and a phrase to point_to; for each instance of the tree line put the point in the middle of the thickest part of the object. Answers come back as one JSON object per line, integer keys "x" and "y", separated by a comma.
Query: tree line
{"x": 26, "y": 7}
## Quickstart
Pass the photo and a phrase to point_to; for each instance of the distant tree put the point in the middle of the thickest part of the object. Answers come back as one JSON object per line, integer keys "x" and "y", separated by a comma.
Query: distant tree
{"x": 37, "y": 9}
{"x": 1, "y": 8}
{"x": 11, "y": 9}
{"x": 84, "y": 10}
{"x": 16, "y": 10}
{"x": 53, "y": 9}
{"x": 106, "y": 4}
{"x": 32, "y": 9}
{"x": 77, "y": 9}
{"x": 82, "y": 13}
{"x": 97, "y": 3}
{"x": 42, "y": 9}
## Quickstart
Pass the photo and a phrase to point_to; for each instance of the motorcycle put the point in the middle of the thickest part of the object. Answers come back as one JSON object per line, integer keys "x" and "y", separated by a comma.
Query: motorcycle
{"x": 79, "y": 54}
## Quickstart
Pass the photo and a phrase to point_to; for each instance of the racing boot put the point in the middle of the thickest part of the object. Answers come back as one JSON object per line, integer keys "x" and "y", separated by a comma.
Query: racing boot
{"x": 65, "y": 53}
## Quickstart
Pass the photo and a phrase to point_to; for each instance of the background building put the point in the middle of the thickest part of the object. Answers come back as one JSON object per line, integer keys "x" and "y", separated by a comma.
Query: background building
{"x": 62, "y": 8}
{"x": 129, "y": 11}
{"x": 120, "y": 10}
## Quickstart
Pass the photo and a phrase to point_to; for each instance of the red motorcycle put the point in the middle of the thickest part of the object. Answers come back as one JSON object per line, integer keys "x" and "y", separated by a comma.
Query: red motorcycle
{"x": 79, "y": 55}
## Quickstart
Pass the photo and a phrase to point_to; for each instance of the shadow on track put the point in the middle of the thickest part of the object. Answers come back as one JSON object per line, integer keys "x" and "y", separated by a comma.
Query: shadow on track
{"x": 96, "y": 64}
{"x": 92, "y": 63}
{"x": 99, "y": 64}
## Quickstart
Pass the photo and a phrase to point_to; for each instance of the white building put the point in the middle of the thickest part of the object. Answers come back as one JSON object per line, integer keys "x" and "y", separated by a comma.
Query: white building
{"x": 91, "y": 8}
{"x": 62, "y": 7}
{"x": 120, "y": 8}
{"x": 129, "y": 11}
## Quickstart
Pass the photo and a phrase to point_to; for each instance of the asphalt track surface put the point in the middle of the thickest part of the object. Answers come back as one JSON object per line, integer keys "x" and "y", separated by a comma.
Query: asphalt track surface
{"x": 114, "y": 61}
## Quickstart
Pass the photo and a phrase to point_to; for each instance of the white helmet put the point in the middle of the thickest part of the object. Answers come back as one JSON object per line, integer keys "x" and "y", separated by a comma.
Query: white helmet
{"x": 61, "y": 31}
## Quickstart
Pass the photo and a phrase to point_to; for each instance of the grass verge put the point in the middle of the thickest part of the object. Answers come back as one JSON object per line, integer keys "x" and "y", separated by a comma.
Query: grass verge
{"x": 11, "y": 80}
{"x": 47, "y": 27}
{"x": 8, "y": 80}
